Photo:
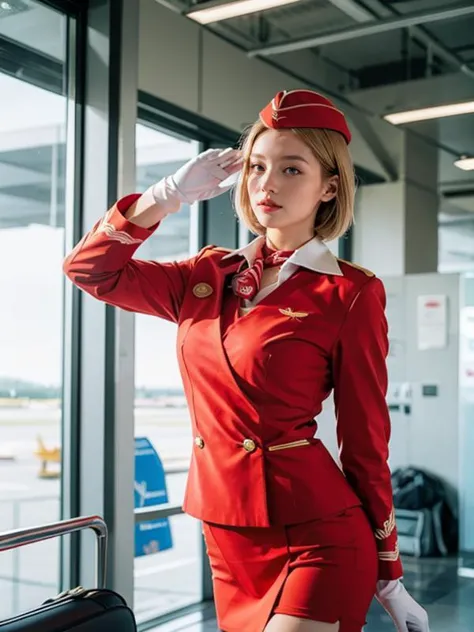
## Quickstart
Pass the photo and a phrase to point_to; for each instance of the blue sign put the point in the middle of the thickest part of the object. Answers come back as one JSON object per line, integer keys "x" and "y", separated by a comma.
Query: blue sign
{"x": 150, "y": 489}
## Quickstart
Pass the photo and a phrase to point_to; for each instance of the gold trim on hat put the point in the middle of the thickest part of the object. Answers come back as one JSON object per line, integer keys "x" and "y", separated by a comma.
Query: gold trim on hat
{"x": 274, "y": 106}
{"x": 288, "y": 92}
{"x": 313, "y": 105}
{"x": 277, "y": 111}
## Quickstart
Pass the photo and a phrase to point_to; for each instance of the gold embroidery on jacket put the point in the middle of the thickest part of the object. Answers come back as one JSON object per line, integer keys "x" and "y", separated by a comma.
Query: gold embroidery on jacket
{"x": 389, "y": 556}
{"x": 117, "y": 235}
{"x": 388, "y": 527}
{"x": 294, "y": 315}
{"x": 286, "y": 446}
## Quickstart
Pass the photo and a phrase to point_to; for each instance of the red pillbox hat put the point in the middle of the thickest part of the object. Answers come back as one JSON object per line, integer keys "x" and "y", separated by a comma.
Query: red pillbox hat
{"x": 304, "y": 108}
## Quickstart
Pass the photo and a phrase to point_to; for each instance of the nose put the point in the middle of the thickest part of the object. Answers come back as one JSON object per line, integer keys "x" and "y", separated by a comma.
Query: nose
{"x": 268, "y": 182}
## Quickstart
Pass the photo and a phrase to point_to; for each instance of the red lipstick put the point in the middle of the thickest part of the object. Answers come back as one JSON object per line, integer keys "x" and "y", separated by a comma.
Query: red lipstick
{"x": 268, "y": 205}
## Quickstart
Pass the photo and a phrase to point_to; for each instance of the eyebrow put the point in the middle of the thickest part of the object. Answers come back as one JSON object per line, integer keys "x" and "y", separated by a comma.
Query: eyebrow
{"x": 288, "y": 157}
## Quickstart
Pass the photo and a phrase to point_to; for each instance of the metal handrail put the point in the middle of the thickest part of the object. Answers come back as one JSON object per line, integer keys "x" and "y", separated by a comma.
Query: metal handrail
{"x": 21, "y": 537}
{"x": 155, "y": 512}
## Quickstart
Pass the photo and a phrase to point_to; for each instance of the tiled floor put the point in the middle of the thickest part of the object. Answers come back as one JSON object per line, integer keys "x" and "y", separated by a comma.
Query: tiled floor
{"x": 435, "y": 583}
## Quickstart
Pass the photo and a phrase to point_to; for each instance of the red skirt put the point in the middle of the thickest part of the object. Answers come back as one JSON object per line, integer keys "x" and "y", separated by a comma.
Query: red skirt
{"x": 323, "y": 570}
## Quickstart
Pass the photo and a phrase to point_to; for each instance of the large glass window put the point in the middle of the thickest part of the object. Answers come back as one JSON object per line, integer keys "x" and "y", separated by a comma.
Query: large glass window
{"x": 32, "y": 212}
{"x": 170, "y": 578}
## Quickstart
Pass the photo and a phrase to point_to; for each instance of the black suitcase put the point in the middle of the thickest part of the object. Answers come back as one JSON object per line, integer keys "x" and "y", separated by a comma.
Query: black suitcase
{"x": 79, "y": 609}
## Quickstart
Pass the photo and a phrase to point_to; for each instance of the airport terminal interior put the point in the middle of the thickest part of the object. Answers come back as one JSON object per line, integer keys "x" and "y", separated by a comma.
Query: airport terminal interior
{"x": 102, "y": 98}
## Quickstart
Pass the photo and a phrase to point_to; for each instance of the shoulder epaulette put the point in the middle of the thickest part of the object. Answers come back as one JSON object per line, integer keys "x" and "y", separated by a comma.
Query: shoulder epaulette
{"x": 369, "y": 273}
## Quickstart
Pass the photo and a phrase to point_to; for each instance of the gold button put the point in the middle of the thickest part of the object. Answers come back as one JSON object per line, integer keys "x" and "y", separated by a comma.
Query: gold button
{"x": 199, "y": 441}
{"x": 202, "y": 290}
{"x": 249, "y": 445}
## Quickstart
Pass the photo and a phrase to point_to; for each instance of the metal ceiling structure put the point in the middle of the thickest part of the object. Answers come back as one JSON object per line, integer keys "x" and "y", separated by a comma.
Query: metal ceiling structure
{"x": 371, "y": 56}
{"x": 375, "y": 27}
{"x": 388, "y": 55}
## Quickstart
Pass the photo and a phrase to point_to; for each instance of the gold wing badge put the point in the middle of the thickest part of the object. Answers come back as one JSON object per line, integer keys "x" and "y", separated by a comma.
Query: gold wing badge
{"x": 293, "y": 315}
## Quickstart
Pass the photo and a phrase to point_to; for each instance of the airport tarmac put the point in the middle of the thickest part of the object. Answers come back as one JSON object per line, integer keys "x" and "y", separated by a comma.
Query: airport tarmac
{"x": 164, "y": 581}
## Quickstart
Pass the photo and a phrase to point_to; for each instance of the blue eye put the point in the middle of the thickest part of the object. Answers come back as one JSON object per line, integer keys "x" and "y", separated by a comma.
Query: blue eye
{"x": 255, "y": 167}
{"x": 293, "y": 171}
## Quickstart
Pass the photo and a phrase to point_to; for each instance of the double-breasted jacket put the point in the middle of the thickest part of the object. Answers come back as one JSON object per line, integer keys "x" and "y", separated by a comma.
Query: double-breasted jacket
{"x": 254, "y": 393}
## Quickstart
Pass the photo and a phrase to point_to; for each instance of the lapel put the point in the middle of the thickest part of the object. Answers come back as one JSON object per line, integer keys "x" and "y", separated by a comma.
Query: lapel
{"x": 213, "y": 278}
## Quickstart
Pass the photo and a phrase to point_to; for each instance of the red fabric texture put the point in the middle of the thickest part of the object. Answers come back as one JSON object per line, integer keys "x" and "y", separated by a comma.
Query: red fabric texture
{"x": 304, "y": 108}
{"x": 324, "y": 570}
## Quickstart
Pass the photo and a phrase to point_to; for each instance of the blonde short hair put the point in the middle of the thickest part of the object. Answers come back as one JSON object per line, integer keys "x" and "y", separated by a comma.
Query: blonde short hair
{"x": 333, "y": 218}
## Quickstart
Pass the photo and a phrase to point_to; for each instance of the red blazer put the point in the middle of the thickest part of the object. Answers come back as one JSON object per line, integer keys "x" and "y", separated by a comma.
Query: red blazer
{"x": 255, "y": 461}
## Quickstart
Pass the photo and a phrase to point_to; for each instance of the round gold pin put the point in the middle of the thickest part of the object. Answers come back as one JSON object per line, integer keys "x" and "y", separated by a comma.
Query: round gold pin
{"x": 202, "y": 290}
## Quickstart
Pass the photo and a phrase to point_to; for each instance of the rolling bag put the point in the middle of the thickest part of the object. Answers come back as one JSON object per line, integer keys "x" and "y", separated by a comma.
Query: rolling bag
{"x": 78, "y": 610}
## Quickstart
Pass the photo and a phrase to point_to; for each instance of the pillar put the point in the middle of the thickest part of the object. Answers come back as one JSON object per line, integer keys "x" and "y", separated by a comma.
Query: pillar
{"x": 396, "y": 228}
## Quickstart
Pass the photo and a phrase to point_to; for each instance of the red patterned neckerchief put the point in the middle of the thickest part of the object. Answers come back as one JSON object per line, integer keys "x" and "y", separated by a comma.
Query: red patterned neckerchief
{"x": 246, "y": 284}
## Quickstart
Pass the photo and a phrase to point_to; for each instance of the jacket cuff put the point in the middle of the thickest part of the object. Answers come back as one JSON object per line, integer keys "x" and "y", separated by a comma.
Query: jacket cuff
{"x": 115, "y": 224}
{"x": 126, "y": 202}
{"x": 390, "y": 564}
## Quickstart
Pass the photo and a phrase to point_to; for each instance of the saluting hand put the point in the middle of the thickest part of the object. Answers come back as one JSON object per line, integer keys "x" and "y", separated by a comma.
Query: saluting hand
{"x": 200, "y": 178}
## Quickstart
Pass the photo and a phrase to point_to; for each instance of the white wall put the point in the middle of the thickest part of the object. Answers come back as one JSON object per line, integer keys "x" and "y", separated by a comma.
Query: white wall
{"x": 379, "y": 230}
{"x": 188, "y": 66}
{"x": 169, "y": 63}
{"x": 428, "y": 435}
{"x": 194, "y": 69}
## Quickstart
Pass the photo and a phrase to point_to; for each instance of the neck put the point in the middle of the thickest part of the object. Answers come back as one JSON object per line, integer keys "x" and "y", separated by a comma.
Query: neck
{"x": 284, "y": 240}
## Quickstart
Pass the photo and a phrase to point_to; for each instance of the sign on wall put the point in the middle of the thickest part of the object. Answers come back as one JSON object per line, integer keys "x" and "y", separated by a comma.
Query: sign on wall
{"x": 432, "y": 322}
{"x": 150, "y": 489}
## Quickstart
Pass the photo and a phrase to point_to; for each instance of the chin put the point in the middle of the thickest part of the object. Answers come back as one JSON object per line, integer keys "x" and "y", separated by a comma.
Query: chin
{"x": 269, "y": 220}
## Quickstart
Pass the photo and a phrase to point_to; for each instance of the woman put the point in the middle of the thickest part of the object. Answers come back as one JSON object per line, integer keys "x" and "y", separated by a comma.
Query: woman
{"x": 265, "y": 334}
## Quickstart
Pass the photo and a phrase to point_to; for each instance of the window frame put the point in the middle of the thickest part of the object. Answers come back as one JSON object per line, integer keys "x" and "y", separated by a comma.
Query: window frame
{"x": 66, "y": 79}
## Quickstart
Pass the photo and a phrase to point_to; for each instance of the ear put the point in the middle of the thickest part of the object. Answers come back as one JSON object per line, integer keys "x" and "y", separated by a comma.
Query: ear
{"x": 330, "y": 189}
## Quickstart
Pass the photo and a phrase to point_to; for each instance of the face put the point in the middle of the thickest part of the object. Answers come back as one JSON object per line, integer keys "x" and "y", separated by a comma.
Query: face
{"x": 286, "y": 183}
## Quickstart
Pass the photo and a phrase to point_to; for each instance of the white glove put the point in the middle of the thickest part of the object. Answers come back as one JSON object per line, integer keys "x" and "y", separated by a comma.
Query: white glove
{"x": 199, "y": 179}
{"x": 406, "y": 613}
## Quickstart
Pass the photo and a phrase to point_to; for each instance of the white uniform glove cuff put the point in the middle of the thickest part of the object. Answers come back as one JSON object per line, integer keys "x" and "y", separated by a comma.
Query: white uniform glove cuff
{"x": 387, "y": 589}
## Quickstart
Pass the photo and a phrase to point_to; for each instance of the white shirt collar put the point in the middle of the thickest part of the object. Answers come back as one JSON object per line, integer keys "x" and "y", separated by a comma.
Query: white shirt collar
{"x": 313, "y": 255}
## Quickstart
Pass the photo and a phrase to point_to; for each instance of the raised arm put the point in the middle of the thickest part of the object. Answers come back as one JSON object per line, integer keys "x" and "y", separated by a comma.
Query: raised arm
{"x": 102, "y": 265}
